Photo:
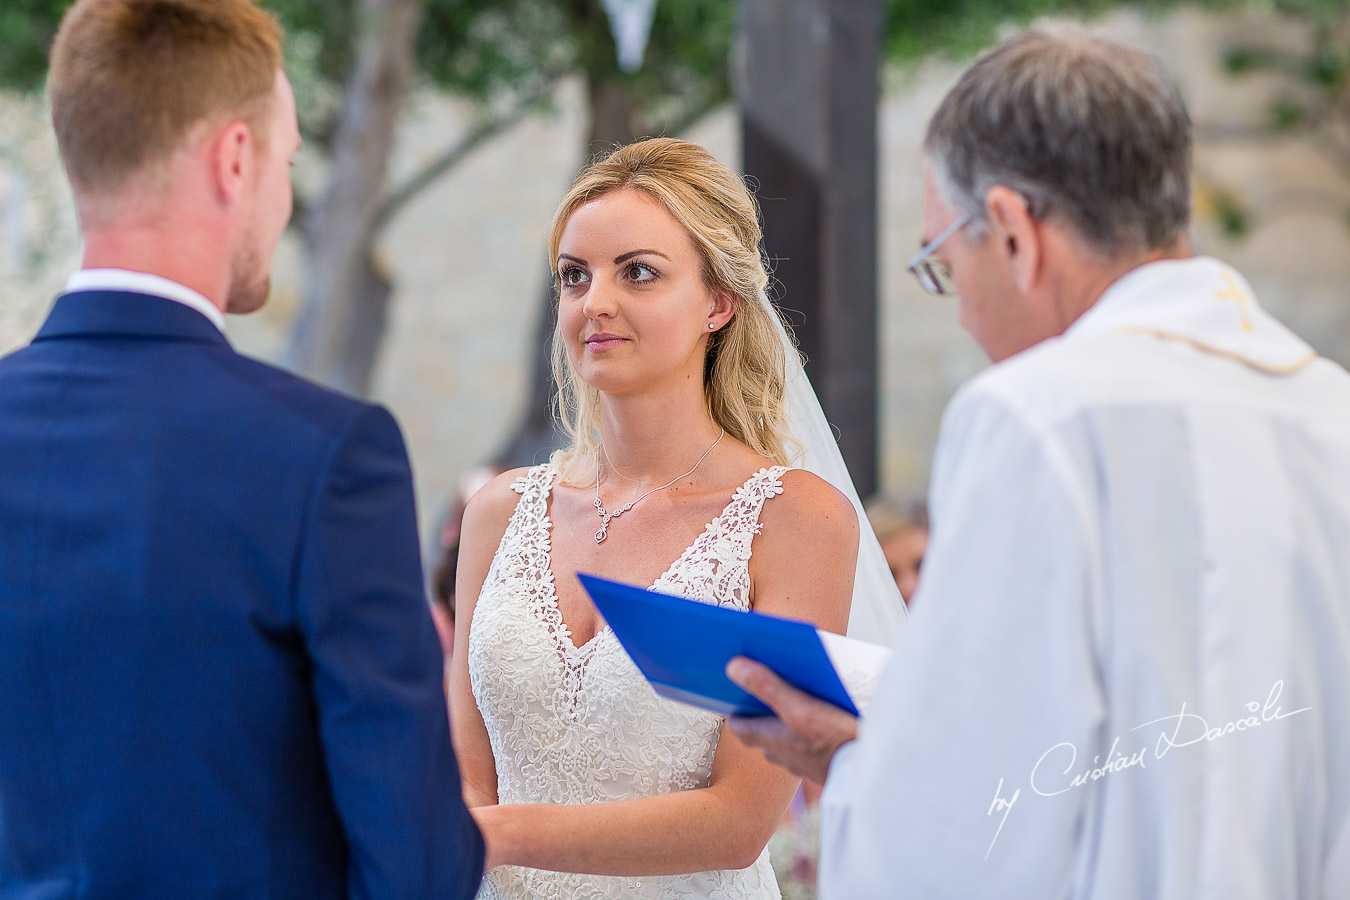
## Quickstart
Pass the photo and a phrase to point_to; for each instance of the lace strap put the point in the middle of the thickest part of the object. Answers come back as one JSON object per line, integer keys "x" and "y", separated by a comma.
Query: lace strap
{"x": 715, "y": 567}
{"x": 537, "y": 481}
{"x": 531, "y": 512}
{"x": 740, "y": 519}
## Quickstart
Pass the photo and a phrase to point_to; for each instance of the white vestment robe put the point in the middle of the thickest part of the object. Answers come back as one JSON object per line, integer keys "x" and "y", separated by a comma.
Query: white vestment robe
{"x": 1127, "y": 672}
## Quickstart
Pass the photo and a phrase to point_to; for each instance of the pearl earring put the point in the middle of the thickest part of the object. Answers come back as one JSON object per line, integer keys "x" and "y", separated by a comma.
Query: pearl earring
{"x": 711, "y": 326}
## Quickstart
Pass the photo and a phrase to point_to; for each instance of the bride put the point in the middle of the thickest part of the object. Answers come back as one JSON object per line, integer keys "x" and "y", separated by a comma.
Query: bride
{"x": 672, "y": 372}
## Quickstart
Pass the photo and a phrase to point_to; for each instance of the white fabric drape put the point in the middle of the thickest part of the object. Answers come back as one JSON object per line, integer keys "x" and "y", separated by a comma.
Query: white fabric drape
{"x": 630, "y": 21}
{"x": 878, "y": 612}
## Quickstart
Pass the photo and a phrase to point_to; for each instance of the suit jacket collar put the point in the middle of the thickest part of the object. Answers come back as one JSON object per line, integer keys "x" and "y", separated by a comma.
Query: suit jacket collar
{"x": 127, "y": 314}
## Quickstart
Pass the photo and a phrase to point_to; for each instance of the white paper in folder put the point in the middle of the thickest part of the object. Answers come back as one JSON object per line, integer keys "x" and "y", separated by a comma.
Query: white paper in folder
{"x": 858, "y": 663}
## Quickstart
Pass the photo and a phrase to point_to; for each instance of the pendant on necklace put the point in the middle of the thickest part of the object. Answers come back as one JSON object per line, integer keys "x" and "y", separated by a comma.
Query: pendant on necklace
{"x": 605, "y": 515}
{"x": 604, "y": 520}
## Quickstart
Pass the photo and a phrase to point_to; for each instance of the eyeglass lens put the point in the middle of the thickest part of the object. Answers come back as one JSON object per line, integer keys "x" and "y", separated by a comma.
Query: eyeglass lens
{"x": 935, "y": 277}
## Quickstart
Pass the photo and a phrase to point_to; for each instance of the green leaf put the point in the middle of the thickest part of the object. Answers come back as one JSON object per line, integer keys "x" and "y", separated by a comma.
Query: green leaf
{"x": 1328, "y": 68}
{"x": 1243, "y": 60}
{"x": 1286, "y": 114}
{"x": 1232, "y": 216}
{"x": 26, "y": 31}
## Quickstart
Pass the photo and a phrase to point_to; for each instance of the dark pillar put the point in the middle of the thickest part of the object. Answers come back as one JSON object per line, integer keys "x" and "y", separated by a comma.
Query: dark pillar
{"x": 809, "y": 87}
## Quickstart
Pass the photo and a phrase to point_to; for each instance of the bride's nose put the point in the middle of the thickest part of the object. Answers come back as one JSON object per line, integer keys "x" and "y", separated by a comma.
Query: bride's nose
{"x": 601, "y": 300}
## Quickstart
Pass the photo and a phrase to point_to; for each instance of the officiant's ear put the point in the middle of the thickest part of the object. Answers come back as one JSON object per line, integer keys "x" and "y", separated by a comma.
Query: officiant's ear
{"x": 1014, "y": 232}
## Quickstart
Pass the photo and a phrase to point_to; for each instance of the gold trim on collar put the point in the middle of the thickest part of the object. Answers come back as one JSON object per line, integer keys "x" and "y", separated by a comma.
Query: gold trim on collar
{"x": 1217, "y": 351}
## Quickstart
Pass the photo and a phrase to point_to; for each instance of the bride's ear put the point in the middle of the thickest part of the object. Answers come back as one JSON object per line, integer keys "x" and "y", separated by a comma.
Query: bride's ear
{"x": 723, "y": 308}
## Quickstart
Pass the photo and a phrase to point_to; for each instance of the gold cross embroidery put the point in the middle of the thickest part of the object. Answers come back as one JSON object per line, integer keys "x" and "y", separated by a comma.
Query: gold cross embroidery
{"x": 1233, "y": 292}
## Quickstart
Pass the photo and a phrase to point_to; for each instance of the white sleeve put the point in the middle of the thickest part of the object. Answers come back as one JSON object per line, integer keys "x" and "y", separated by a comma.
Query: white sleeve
{"x": 995, "y": 669}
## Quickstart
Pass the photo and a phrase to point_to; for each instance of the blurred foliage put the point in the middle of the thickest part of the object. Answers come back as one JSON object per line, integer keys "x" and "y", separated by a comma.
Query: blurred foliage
{"x": 1232, "y": 215}
{"x": 492, "y": 51}
{"x": 1312, "y": 104}
{"x": 485, "y": 49}
{"x": 916, "y": 29}
{"x": 495, "y": 52}
{"x": 26, "y": 30}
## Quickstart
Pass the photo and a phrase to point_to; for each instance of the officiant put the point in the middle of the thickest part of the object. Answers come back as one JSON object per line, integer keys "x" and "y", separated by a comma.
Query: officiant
{"x": 1134, "y": 681}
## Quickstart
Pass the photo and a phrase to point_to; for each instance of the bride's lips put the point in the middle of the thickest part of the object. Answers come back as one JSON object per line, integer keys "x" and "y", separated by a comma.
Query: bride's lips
{"x": 600, "y": 342}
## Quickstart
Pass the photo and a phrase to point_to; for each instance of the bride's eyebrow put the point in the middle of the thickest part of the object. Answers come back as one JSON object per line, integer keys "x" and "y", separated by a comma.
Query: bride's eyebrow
{"x": 632, "y": 253}
{"x": 580, "y": 262}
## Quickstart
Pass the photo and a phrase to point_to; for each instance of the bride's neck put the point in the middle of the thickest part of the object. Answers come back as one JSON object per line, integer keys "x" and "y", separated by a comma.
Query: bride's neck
{"x": 645, "y": 440}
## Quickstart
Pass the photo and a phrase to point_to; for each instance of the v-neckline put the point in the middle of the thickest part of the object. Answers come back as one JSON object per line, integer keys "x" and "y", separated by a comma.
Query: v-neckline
{"x": 562, "y": 632}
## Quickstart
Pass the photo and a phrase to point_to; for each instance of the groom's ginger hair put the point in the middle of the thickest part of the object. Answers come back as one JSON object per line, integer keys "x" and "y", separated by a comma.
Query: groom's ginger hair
{"x": 131, "y": 79}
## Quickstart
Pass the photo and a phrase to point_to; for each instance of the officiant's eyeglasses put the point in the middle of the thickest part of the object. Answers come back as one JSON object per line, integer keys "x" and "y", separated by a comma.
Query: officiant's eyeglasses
{"x": 934, "y": 277}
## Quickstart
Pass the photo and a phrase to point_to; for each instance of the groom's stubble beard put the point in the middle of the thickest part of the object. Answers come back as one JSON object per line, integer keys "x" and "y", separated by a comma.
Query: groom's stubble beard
{"x": 250, "y": 279}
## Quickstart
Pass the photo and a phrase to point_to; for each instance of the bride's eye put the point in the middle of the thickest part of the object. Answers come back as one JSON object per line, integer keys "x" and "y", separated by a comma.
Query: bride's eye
{"x": 639, "y": 274}
{"x": 573, "y": 276}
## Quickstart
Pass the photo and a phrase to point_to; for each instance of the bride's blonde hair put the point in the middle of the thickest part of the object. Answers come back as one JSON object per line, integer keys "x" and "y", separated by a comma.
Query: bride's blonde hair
{"x": 744, "y": 373}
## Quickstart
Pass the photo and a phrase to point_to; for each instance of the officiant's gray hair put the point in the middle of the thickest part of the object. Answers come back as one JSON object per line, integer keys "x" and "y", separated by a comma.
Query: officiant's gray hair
{"x": 1086, "y": 129}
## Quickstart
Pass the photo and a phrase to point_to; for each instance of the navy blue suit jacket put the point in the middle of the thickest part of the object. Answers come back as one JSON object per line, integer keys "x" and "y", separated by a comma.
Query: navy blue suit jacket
{"x": 218, "y": 674}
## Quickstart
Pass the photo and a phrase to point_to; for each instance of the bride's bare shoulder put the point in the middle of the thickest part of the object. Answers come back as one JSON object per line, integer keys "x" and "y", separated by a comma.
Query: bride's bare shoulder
{"x": 803, "y": 563}
{"x": 495, "y": 501}
{"x": 809, "y": 500}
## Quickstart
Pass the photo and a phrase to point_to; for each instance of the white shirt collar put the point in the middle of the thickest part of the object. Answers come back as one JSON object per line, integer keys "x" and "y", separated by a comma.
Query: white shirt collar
{"x": 1198, "y": 301}
{"x": 145, "y": 283}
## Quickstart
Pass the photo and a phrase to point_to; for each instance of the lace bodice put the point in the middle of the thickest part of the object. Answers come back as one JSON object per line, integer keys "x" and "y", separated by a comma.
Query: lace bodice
{"x": 576, "y": 725}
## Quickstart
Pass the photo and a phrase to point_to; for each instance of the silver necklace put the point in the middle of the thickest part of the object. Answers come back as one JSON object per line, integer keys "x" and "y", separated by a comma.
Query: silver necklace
{"x": 605, "y": 517}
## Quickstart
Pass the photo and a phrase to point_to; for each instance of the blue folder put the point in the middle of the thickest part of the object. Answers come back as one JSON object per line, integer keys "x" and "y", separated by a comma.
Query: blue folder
{"x": 683, "y": 646}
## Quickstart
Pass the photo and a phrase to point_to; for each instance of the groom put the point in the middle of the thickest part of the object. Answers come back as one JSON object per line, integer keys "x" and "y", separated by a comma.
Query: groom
{"x": 218, "y": 674}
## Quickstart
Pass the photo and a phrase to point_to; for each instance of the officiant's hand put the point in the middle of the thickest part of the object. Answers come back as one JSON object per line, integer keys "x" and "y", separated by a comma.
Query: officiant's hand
{"x": 805, "y": 733}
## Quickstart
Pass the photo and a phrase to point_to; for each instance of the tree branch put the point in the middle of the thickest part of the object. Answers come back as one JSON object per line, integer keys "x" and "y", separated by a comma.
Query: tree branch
{"x": 483, "y": 132}
{"x": 320, "y": 133}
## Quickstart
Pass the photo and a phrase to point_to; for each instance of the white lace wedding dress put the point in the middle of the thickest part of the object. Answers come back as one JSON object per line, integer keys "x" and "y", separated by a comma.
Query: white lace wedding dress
{"x": 578, "y": 725}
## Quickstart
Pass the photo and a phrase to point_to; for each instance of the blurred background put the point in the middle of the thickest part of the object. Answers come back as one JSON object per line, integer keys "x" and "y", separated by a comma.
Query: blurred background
{"x": 439, "y": 135}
